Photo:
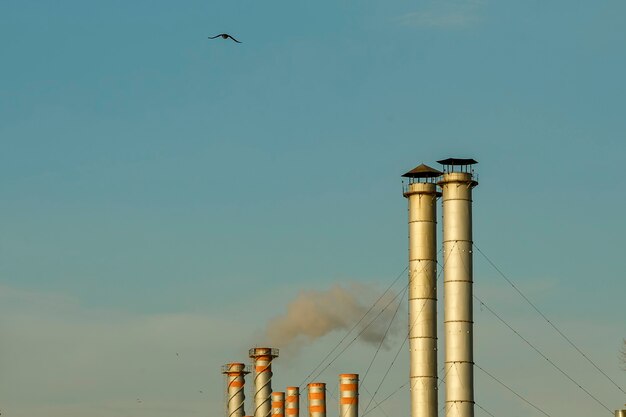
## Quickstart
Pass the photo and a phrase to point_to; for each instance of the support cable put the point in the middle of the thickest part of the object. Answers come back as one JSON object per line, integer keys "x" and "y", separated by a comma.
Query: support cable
{"x": 353, "y": 327}
{"x": 542, "y": 355}
{"x": 386, "y": 373}
{"x": 512, "y": 390}
{"x": 385, "y": 399}
{"x": 483, "y": 408}
{"x": 547, "y": 320}
{"x": 405, "y": 340}
{"x": 382, "y": 340}
{"x": 359, "y": 334}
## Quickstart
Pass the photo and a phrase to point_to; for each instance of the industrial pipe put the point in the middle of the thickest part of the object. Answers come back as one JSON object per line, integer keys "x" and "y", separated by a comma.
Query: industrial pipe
{"x": 262, "y": 358}
{"x": 422, "y": 198}
{"x": 278, "y": 404}
{"x": 235, "y": 381}
{"x": 458, "y": 276}
{"x": 317, "y": 399}
{"x": 292, "y": 402}
{"x": 348, "y": 395}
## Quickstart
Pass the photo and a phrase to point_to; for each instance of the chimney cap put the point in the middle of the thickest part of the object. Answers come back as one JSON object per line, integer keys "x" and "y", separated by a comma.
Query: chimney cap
{"x": 457, "y": 161}
{"x": 423, "y": 171}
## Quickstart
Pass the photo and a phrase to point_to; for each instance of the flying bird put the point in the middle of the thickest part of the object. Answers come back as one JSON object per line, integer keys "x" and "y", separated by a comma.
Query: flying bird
{"x": 224, "y": 36}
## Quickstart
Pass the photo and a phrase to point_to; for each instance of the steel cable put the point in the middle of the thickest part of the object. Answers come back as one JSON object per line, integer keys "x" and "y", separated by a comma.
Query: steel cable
{"x": 353, "y": 327}
{"x": 512, "y": 390}
{"x": 546, "y": 319}
{"x": 542, "y": 355}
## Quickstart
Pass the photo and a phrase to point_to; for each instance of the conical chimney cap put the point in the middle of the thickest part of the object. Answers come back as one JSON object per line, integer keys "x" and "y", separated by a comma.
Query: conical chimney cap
{"x": 423, "y": 171}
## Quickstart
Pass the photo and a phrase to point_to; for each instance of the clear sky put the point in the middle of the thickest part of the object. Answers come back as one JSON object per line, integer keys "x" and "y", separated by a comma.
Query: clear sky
{"x": 161, "y": 193}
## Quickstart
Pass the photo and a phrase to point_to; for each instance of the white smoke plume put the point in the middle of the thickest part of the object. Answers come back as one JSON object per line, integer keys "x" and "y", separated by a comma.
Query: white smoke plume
{"x": 314, "y": 314}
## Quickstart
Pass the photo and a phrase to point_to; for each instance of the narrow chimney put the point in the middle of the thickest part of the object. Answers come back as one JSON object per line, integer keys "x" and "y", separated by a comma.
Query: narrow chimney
{"x": 292, "y": 402}
{"x": 262, "y": 358}
{"x": 421, "y": 193}
{"x": 278, "y": 404}
{"x": 456, "y": 185}
{"x": 317, "y": 399}
{"x": 235, "y": 381}
{"x": 348, "y": 395}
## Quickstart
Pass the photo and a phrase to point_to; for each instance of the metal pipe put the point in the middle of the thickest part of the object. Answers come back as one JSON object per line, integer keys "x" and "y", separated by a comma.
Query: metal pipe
{"x": 317, "y": 399}
{"x": 348, "y": 395}
{"x": 458, "y": 276}
{"x": 620, "y": 413}
{"x": 235, "y": 380}
{"x": 278, "y": 404}
{"x": 262, "y": 358}
{"x": 422, "y": 199}
{"x": 292, "y": 402}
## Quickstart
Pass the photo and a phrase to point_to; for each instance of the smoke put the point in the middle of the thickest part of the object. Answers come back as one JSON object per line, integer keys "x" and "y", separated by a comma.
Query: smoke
{"x": 314, "y": 314}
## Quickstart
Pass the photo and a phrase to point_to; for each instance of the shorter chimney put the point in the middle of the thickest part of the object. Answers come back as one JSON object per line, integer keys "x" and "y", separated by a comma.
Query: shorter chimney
{"x": 292, "y": 402}
{"x": 235, "y": 381}
{"x": 348, "y": 395}
{"x": 278, "y": 404}
{"x": 262, "y": 358}
{"x": 317, "y": 399}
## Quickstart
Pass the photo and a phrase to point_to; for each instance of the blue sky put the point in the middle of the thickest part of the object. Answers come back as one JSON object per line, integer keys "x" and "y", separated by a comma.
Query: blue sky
{"x": 164, "y": 192}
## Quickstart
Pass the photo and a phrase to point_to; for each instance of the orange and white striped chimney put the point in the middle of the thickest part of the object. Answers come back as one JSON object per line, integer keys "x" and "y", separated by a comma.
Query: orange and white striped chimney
{"x": 263, "y": 358}
{"x": 292, "y": 402}
{"x": 235, "y": 381}
{"x": 348, "y": 395}
{"x": 317, "y": 399}
{"x": 278, "y": 404}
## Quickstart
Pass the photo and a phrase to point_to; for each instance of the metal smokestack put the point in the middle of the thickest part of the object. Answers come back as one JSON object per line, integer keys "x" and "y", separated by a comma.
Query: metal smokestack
{"x": 235, "y": 381}
{"x": 317, "y": 399}
{"x": 292, "y": 402}
{"x": 348, "y": 395}
{"x": 263, "y": 358}
{"x": 278, "y": 404}
{"x": 456, "y": 185}
{"x": 422, "y": 194}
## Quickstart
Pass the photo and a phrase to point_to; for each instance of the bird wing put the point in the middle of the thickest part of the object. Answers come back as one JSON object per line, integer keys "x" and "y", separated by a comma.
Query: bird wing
{"x": 216, "y": 36}
{"x": 234, "y": 39}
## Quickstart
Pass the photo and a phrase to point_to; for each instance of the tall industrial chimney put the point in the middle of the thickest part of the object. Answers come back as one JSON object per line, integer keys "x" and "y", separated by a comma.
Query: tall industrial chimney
{"x": 317, "y": 399}
{"x": 278, "y": 404}
{"x": 422, "y": 194}
{"x": 348, "y": 395}
{"x": 456, "y": 185}
{"x": 292, "y": 402}
{"x": 235, "y": 381}
{"x": 263, "y": 358}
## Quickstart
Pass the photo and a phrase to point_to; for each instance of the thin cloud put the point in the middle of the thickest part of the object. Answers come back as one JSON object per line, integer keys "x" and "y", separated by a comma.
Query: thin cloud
{"x": 446, "y": 14}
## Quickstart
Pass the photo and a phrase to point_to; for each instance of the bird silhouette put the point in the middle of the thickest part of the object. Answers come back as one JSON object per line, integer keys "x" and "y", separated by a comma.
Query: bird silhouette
{"x": 224, "y": 36}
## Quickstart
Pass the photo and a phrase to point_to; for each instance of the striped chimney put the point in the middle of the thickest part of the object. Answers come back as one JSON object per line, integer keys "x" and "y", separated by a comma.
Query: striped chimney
{"x": 317, "y": 399}
{"x": 278, "y": 404}
{"x": 263, "y": 358}
{"x": 235, "y": 381}
{"x": 348, "y": 395}
{"x": 292, "y": 402}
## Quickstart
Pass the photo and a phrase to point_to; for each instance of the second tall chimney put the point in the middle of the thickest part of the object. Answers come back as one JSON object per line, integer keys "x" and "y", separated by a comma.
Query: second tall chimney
{"x": 457, "y": 184}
